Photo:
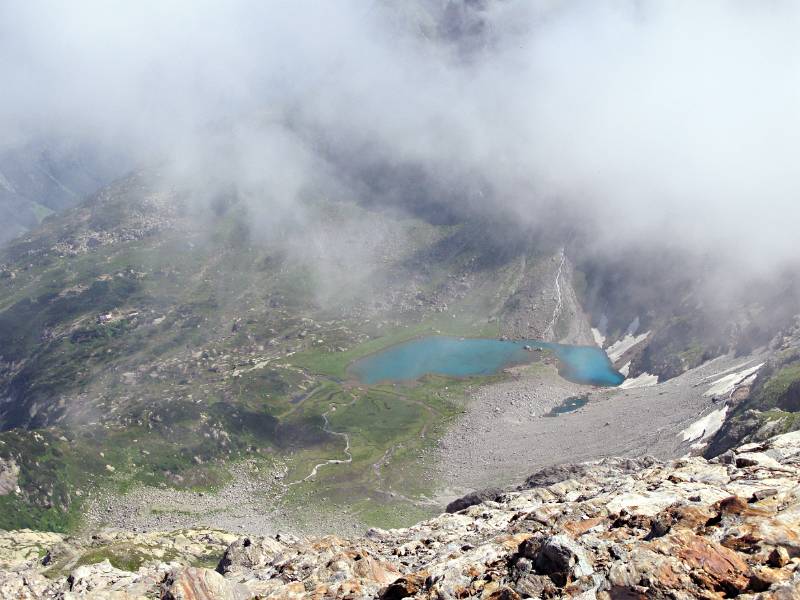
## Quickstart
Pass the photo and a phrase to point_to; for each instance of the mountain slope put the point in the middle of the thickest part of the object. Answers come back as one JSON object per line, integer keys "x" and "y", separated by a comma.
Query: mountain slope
{"x": 610, "y": 529}
{"x": 44, "y": 177}
{"x": 165, "y": 336}
{"x": 150, "y": 336}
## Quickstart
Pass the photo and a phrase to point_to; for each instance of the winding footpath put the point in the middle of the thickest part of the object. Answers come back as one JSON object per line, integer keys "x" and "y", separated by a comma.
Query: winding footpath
{"x": 331, "y": 461}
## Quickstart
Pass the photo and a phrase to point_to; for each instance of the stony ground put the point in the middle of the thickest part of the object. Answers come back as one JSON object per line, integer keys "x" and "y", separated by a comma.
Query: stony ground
{"x": 253, "y": 501}
{"x": 617, "y": 528}
{"x": 504, "y": 433}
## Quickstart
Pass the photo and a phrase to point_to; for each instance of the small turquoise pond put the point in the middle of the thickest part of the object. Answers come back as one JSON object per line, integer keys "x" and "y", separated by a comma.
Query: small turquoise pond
{"x": 462, "y": 357}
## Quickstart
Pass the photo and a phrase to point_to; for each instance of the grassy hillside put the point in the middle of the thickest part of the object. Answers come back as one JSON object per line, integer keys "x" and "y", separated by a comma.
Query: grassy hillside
{"x": 150, "y": 337}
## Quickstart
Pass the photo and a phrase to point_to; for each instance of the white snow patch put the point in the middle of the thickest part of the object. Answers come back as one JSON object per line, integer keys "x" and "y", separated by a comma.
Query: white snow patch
{"x": 620, "y": 347}
{"x": 724, "y": 371}
{"x": 599, "y": 338}
{"x": 726, "y": 385}
{"x": 643, "y": 380}
{"x": 705, "y": 427}
{"x": 626, "y": 368}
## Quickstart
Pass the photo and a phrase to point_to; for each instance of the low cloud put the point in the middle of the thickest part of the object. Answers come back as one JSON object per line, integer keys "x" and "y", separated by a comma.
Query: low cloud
{"x": 644, "y": 122}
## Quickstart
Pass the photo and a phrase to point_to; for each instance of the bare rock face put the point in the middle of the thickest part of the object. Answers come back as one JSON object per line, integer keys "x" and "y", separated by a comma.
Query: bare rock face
{"x": 102, "y": 577}
{"x": 9, "y": 473}
{"x": 249, "y": 554}
{"x": 561, "y": 554}
{"x": 24, "y": 546}
{"x": 192, "y": 583}
{"x": 474, "y": 498}
{"x": 690, "y": 528}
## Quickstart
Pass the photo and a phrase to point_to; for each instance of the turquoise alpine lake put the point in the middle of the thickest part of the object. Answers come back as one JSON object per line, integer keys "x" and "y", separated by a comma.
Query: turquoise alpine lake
{"x": 462, "y": 357}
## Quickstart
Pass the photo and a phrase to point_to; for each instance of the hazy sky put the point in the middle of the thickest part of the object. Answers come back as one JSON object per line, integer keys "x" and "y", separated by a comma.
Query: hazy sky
{"x": 673, "y": 121}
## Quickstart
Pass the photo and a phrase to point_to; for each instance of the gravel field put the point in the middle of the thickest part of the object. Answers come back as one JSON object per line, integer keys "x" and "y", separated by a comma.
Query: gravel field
{"x": 504, "y": 436}
{"x": 252, "y": 502}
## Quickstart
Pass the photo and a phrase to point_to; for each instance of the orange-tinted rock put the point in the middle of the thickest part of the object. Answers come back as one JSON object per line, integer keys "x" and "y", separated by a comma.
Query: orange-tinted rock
{"x": 716, "y": 567}
{"x": 576, "y": 528}
{"x": 778, "y": 558}
{"x": 404, "y": 587}
{"x": 504, "y": 593}
{"x": 193, "y": 583}
{"x": 762, "y": 578}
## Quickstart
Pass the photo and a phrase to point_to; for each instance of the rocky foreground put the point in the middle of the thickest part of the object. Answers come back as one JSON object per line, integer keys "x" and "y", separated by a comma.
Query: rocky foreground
{"x": 691, "y": 528}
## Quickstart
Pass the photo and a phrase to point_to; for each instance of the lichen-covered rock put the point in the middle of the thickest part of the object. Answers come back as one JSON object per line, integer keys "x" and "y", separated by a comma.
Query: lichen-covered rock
{"x": 24, "y": 545}
{"x": 560, "y": 554}
{"x": 103, "y": 580}
{"x": 615, "y": 528}
{"x": 247, "y": 554}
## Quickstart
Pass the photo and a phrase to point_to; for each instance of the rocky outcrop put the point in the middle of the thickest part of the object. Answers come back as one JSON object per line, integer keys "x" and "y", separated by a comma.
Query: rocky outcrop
{"x": 108, "y": 564}
{"x": 543, "y": 303}
{"x": 193, "y": 583}
{"x": 9, "y": 474}
{"x": 691, "y": 528}
{"x": 473, "y": 498}
{"x": 766, "y": 404}
{"x": 24, "y": 546}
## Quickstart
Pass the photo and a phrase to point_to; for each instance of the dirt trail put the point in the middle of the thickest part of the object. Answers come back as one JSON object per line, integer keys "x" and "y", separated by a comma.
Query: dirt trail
{"x": 331, "y": 461}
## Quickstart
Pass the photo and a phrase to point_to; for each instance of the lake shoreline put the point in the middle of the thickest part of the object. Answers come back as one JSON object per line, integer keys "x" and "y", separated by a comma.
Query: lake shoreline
{"x": 461, "y": 357}
{"x": 504, "y": 436}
